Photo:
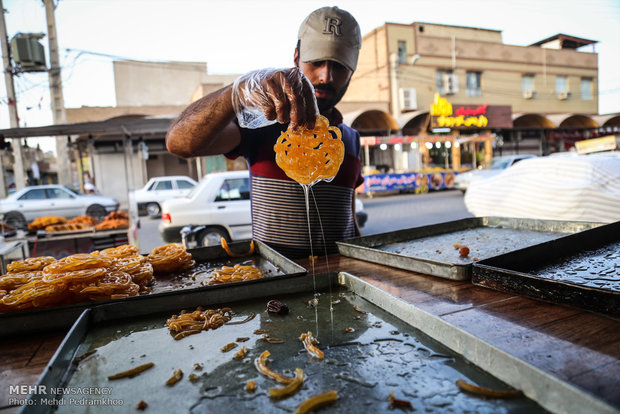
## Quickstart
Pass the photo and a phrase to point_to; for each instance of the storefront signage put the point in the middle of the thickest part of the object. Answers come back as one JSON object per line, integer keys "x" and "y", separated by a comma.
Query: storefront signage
{"x": 417, "y": 181}
{"x": 608, "y": 143}
{"x": 446, "y": 115}
{"x": 419, "y": 139}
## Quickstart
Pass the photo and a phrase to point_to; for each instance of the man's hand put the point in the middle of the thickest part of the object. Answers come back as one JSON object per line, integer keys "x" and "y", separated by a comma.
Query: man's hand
{"x": 284, "y": 95}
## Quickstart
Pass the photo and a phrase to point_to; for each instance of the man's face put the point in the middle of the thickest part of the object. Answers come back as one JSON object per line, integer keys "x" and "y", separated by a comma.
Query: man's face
{"x": 330, "y": 80}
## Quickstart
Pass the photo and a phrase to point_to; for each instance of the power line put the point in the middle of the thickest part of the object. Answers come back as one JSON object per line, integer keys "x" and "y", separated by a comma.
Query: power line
{"x": 175, "y": 64}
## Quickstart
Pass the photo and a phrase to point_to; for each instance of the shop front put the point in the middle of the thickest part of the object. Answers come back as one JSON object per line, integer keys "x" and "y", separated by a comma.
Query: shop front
{"x": 460, "y": 139}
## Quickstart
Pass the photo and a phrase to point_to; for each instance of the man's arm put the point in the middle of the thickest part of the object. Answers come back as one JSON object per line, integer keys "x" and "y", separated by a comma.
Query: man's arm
{"x": 205, "y": 127}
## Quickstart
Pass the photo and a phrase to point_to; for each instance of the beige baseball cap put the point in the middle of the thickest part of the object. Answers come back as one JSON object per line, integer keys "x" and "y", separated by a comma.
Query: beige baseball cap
{"x": 330, "y": 33}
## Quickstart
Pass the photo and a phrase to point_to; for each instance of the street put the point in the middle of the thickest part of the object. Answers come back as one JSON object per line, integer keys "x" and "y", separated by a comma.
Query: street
{"x": 395, "y": 212}
{"x": 385, "y": 213}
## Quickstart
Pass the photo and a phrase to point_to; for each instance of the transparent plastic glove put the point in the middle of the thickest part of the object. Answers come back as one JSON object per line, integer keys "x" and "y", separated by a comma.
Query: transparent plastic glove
{"x": 264, "y": 97}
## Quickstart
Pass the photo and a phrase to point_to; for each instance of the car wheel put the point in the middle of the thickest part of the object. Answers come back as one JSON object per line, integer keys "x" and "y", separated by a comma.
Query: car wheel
{"x": 211, "y": 236}
{"x": 153, "y": 210}
{"x": 15, "y": 219}
{"x": 97, "y": 211}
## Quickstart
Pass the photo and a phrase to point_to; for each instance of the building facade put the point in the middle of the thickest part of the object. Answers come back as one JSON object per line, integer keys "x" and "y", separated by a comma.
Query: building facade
{"x": 143, "y": 90}
{"x": 406, "y": 65}
{"x": 539, "y": 98}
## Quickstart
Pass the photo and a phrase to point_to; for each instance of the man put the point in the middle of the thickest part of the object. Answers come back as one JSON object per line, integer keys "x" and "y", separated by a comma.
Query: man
{"x": 240, "y": 120}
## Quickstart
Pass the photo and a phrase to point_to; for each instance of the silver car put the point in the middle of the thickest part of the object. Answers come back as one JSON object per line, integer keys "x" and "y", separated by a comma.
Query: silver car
{"x": 498, "y": 164}
{"x": 159, "y": 189}
{"x": 29, "y": 203}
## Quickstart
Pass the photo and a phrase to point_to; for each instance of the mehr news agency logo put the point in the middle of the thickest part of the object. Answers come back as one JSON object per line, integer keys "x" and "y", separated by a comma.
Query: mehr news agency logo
{"x": 55, "y": 396}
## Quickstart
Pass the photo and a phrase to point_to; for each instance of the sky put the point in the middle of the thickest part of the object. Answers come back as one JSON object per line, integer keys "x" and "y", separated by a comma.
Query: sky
{"x": 237, "y": 36}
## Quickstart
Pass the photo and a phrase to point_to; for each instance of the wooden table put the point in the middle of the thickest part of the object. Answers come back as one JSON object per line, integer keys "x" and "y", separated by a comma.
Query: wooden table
{"x": 579, "y": 347}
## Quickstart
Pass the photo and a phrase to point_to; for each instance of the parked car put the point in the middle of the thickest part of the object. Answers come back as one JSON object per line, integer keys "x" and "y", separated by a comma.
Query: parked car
{"x": 220, "y": 202}
{"x": 360, "y": 214}
{"x": 29, "y": 203}
{"x": 571, "y": 187}
{"x": 497, "y": 165}
{"x": 220, "y": 205}
{"x": 159, "y": 189}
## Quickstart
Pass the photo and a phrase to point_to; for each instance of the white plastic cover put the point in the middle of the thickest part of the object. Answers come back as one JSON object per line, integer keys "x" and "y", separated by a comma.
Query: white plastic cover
{"x": 570, "y": 187}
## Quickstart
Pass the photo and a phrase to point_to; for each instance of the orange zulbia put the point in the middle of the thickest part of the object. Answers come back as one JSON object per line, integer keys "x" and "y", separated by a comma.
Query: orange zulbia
{"x": 308, "y": 155}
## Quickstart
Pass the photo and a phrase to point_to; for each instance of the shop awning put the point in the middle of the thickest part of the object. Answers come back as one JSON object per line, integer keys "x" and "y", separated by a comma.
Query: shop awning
{"x": 424, "y": 138}
{"x": 531, "y": 121}
{"x": 370, "y": 121}
{"x": 573, "y": 121}
{"x": 103, "y": 130}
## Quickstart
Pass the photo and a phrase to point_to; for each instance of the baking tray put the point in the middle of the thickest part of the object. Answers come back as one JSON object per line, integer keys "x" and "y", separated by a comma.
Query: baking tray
{"x": 433, "y": 249}
{"x": 52, "y": 234}
{"x": 381, "y": 355}
{"x": 390, "y": 346}
{"x": 582, "y": 269}
{"x": 172, "y": 287}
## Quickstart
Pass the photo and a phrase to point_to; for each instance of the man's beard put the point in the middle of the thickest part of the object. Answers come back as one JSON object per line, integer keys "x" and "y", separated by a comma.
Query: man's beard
{"x": 326, "y": 105}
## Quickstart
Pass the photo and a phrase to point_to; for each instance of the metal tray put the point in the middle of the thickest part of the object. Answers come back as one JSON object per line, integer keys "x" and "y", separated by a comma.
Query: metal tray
{"x": 53, "y": 234}
{"x": 582, "y": 269}
{"x": 433, "y": 250}
{"x": 172, "y": 287}
{"x": 394, "y": 346}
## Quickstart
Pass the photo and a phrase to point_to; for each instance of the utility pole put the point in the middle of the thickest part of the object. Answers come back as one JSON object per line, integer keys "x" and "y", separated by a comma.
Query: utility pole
{"x": 394, "y": 85}
{"x": 58, "y": 103}
{"x": 18, "y": 167}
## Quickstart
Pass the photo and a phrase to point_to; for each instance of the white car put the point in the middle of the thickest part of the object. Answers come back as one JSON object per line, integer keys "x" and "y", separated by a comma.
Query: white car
{"x": 220, "y": 203}
{"x": 498, "y": 164}
{"x": 160, "y": 189}
{"x": 29, "y": 203}
{"x": 572, "y": 188}
{"x": 360, "y": 214}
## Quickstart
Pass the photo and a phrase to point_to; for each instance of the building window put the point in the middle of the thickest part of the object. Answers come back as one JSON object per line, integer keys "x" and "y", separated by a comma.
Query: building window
{"x": 402, "y": 52}
{"x": 527, "y": 85}
{"x": 446, "y": 82}
{"x": 586, "y": 89}
{"x": 561, "y": 87}
{"x": 473, "y": 83}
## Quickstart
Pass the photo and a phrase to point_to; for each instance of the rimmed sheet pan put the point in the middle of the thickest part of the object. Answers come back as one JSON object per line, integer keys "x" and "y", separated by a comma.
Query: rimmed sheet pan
{"x": 582, "y": 270}
{"x": 188, "y": 283}
{"x": 368, "y": 354}
{"x": 434, "y": 249}
{"x": 374, "y": 344}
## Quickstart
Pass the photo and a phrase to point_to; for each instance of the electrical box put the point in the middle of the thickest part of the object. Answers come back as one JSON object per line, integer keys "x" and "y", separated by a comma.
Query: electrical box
{"x": 28, "y": 54}
{"x": 528, "y": 94}
{"x": 408, "y": 99}
{"x": 450, "y": 83}
{"x": 563, "y": 95}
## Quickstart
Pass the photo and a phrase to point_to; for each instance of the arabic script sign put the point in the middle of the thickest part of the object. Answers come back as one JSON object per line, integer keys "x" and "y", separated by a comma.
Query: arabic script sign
{"x": 446, "y": 115}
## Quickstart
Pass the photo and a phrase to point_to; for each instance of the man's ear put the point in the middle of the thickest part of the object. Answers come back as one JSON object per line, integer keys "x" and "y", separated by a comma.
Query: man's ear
{"x": 296, "y": 57}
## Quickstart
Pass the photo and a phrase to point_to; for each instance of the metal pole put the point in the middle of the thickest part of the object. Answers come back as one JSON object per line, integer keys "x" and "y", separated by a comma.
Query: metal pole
{"x": 58, "y": 103}
{"x": 18, "y": 167}
{"x": 394, "y": 83}
{"x": 199, "y": 169}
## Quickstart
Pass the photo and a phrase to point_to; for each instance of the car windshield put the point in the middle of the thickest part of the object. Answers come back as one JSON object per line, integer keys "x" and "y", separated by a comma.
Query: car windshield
{"x": 70, "y": 191}
{"x": 197, "y": 188}
{"x": 499, "y": 164}
{"x": 182, "y": 184}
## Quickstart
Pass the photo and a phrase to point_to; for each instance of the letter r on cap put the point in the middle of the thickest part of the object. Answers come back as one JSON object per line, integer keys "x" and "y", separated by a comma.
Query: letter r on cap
{"x": 332, "y": 26}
